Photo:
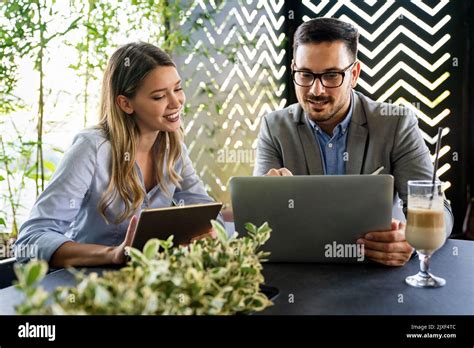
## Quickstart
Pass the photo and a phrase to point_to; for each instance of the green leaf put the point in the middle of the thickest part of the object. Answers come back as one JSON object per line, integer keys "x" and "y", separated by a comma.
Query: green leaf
{"x": 36, "y": 272}
{"x": 167, "y": 244}
{"x": 50, "y": 166}
{"x": 31, "y": 273}
{"x": 136, "y": 255}
{"x": 264, "y": 228}
{"x": 151, "y": 248}
{"x": 220, "y": 231}
{"x": 249, "y": 270}
{"x": 57, "y": 149}
{"x": 30, "y": 173}
{"x": 250, "y": 227}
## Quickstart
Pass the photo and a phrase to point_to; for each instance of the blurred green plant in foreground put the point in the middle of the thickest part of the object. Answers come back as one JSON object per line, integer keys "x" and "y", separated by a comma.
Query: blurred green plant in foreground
{"x": 208, "y": 277}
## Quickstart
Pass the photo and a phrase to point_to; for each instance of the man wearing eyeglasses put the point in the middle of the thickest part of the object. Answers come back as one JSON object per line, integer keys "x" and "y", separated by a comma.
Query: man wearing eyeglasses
{"x": 336, "y": 130}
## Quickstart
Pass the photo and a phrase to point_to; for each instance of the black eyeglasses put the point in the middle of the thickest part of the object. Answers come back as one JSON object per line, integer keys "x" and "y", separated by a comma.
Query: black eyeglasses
{"x": 330, "y": 79}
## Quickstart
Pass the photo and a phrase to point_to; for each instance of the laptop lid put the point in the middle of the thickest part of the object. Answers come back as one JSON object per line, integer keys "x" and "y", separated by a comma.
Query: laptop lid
{"x": 314, "y": 218}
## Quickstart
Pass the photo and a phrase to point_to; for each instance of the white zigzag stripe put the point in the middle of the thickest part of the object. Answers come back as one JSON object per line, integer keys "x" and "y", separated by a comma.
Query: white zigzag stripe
{"x": 236, "y": 88}
{"x": 263, "y": 20}
{"x": 365, "y": 16}
{"x": 443, "y": 151}
{"x": 414, "y": 92}
{"x": 402, "y": 30}
{"x": 410, "y": 53}
{"x": 315, "y": 9}
{"x": 274, "y": 9}
{"x": 251, "y": 53}
{"x": 249, "y": 16}
{"x": 188, "y": 13}
{"x": 263, "y": 39}
{"x": 234, "y": 12}
{"x": 427, "y": 9}
{"x": 263, "y": 78}
{"x": 264, "y": 56}
{"x": 277, "y": 56}
{"x": 212, "y": 3}
{"x": 235, "y": 69}
{"x": 401, "y": 11}
{"x": 433, "y": 140}
{"x": 421, "y": 115}
{"x": 230, "y": 98}
{"x": 402, "y": 66}
{"x": 443, "y": 170}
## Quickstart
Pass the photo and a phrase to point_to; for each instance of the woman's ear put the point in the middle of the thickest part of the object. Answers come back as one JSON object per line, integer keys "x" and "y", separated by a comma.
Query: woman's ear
{"x": 124, "y": 104}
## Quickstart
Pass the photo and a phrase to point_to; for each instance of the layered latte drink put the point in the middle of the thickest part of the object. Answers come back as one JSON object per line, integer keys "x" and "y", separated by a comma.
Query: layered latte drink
{"x": 425, "y": 229}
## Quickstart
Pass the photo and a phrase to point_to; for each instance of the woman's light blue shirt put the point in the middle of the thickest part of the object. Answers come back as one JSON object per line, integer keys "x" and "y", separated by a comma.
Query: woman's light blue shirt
{"x": 67, "y": 209}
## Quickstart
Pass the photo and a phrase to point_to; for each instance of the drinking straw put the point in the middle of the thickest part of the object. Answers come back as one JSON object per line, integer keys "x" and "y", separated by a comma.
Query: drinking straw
{"x": 438, "y": 146}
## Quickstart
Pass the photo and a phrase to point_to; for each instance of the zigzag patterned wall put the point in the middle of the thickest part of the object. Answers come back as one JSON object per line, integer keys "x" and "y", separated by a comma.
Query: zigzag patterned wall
{"x": 228, "y": 98}
{"x": 405, "y": 51}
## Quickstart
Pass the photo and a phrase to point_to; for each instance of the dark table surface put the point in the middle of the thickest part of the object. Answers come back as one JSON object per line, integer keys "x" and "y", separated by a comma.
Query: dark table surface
{"x": 347, "y": 289}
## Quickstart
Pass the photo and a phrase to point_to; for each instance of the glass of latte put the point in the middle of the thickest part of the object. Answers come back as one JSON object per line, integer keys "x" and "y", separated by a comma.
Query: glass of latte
{"x": 425, "y": 230}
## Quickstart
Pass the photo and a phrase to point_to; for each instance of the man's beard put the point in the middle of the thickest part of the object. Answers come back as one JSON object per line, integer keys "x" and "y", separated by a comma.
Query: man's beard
{"x": 330, "y": 109}
{"x": 323, "y": 115}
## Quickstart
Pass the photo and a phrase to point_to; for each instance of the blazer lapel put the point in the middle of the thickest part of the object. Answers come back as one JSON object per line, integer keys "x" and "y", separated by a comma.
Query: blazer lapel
{"x": 311, "y": 150}
{"x": 357, "y": 138}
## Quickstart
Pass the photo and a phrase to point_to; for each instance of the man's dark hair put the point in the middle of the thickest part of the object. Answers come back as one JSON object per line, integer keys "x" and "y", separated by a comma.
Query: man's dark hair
{"x": 327, "y": 30}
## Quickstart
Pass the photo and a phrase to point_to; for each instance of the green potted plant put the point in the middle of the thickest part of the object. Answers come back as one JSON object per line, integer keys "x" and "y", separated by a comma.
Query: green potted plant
{"x": 208, "y": 277}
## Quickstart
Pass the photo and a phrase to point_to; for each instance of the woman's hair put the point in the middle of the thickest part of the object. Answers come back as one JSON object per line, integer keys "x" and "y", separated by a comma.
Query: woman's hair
{"x": 124, "y": 74}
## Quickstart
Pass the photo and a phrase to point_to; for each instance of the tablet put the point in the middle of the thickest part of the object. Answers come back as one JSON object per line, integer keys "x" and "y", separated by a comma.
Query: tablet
{"x": 184, "y": 222}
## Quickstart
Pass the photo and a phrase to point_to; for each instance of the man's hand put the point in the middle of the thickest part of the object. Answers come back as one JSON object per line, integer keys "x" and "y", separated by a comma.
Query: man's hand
{"x": 279, "y": 172}
{"x": 388, "y": 247}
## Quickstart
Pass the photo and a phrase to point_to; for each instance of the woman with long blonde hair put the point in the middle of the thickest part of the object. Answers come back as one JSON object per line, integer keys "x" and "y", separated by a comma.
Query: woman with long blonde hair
{"x": 133, "y": 159}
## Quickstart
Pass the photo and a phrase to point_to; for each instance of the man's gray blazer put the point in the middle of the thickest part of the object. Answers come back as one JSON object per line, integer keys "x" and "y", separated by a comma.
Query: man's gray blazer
{"x": 380, "y": 134}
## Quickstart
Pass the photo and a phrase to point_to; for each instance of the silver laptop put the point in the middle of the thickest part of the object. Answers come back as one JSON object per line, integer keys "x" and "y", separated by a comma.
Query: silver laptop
{"x": 314, "y": 218}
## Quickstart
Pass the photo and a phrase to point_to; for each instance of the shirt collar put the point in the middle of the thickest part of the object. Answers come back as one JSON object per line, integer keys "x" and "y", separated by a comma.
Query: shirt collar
{"x": 342, "y": 126}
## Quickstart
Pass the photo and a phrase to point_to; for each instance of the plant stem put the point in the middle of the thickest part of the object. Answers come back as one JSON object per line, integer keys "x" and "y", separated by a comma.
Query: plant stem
{"x": 39, "y": 152}
{"x": 24, "y": 169}
{"x": 10, "y": 191}
{"x": 87, "y": 75}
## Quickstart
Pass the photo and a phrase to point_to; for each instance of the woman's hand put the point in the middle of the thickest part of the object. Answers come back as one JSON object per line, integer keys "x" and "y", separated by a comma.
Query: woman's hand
{"x": 212, "y": 233}
{"x": 73, "y": 254}
{"x": 118, "y": 253}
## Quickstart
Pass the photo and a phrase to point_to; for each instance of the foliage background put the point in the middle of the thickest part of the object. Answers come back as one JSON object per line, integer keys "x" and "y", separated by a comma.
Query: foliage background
{"x": 53, "y": 54}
